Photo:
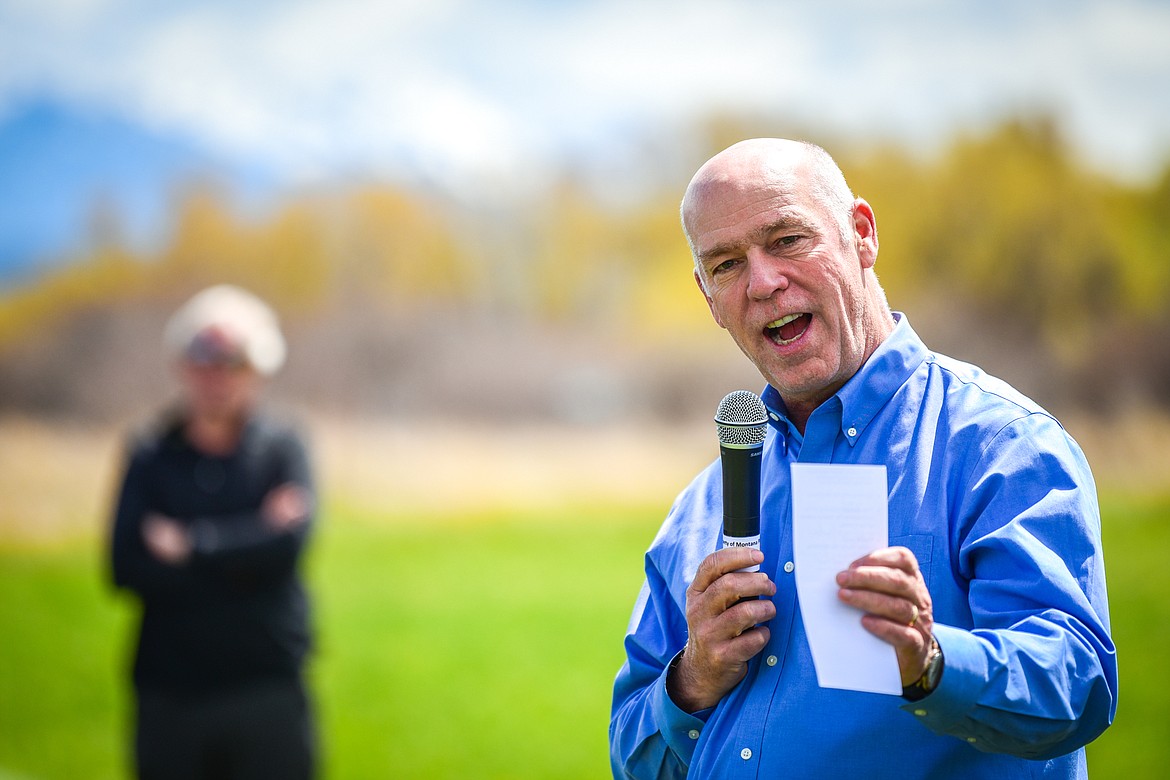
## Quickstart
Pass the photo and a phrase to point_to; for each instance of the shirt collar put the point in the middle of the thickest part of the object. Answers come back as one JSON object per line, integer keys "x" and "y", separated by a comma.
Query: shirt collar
{"x": 874, "y": 384}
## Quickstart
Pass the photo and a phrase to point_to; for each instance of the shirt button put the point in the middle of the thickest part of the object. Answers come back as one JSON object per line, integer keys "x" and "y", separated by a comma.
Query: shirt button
{"x": 770, "y": 660}
{"x": 788, "y": 567}
{"x": 852, "y": 431}
{"x": 920, "y": 713}
{"x": 972, "y": 740}
{"x": 693, "y": 733}
{"x": 745, "y": 754}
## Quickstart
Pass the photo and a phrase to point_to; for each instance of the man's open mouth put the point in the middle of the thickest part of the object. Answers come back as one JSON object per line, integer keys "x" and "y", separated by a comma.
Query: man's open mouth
{"x": 788, "y": 328}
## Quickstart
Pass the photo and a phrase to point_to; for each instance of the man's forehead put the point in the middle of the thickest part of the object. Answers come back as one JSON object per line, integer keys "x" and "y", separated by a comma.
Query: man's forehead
{"x": 716, "y": 208}
{"x": 732, "y": 184}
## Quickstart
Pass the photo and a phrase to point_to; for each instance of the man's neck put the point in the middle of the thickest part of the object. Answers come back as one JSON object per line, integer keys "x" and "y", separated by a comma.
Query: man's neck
{"x": 214, "y": 435}
{"x": 800, "y": 409}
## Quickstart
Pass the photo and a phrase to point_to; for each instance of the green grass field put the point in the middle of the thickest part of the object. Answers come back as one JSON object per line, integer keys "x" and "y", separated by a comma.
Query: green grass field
{"x": 479, "y": 647}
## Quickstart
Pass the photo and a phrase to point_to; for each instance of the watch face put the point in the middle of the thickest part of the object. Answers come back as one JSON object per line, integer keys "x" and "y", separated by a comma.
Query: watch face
{"x": 933, "y": 671}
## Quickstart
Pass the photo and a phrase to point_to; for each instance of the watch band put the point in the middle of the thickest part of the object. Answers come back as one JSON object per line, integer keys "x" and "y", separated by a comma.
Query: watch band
{"x": 925, "y": 684}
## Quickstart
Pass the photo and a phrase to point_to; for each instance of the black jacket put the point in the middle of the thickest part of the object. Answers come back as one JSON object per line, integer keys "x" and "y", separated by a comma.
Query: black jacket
{"x": 236, "y": 612}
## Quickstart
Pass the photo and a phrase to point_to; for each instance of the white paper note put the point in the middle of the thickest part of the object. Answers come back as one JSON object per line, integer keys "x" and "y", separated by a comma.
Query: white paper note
{"x": 839, "y": 514}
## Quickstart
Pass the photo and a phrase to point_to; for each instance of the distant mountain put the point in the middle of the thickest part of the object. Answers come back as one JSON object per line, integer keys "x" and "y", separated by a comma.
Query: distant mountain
{"x": 70, "y": 177}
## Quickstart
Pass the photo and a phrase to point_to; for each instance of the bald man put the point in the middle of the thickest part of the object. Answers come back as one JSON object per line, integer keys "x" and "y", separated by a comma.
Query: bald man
{"x": 992, "y": 591}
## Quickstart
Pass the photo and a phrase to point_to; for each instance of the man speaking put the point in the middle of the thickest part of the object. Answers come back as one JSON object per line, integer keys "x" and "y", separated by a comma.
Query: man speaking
{"x": 991, "y": 591}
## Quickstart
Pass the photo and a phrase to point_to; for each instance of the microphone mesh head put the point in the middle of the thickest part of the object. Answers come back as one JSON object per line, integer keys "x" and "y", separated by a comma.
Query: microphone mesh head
{"x": 741, "y": 420}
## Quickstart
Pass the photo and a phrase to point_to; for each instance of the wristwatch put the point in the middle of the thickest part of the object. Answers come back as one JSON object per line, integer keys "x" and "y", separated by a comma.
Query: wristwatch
{"x": 930, "y": 676}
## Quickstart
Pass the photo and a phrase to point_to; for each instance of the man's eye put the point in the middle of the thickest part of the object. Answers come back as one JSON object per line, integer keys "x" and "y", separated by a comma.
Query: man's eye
{"x": 726, "y": 265}
{"x": 783, "y": 242}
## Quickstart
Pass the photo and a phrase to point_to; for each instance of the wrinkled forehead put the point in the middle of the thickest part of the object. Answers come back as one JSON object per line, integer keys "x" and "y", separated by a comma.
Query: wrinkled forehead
{"x": 739, "y": 187}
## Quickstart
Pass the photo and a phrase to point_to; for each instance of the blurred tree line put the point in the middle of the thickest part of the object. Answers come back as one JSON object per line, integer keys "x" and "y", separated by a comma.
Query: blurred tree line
{"x": 1002, "y": 249}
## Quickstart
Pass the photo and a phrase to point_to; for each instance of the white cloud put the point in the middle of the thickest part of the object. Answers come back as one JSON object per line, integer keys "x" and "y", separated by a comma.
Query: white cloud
{"x": 458, "y": 85}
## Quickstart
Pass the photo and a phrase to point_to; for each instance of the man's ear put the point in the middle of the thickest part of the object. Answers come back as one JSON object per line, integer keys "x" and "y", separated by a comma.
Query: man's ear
{"x": 707, "y": 298}
{"x": 865, "y": 233}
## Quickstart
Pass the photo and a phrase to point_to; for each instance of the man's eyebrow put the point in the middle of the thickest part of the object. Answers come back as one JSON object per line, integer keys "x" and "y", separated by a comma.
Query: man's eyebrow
{"x": 758, "y": 236}
{"x": 719, "y": 250}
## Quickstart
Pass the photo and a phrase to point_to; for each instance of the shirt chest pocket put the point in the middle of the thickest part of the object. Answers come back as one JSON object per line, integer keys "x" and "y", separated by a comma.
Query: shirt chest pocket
{"x": 922, "y": 545}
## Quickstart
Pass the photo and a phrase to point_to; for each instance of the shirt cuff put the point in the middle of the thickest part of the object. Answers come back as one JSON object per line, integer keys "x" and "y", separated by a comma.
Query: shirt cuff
{"x": 680, "y": 729}
{"x": 964, "y": 676}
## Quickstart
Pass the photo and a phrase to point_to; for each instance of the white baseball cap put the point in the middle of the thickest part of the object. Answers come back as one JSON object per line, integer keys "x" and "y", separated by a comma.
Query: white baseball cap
{"x": 225, "y": 323}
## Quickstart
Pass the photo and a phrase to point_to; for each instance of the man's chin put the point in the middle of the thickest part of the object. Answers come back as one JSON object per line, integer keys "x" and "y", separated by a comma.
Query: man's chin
{"x": 795, "y": 384}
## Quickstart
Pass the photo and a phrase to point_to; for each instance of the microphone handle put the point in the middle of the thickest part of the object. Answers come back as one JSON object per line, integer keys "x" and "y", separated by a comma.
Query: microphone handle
{"x": 741, "y": 497}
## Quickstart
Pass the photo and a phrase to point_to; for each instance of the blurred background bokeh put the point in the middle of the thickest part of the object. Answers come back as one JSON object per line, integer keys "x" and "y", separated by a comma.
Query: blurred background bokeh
{"x": 466, "y": 215}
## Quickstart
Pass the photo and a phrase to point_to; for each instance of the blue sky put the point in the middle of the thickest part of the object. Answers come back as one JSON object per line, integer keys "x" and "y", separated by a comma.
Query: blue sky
{"x": 488, "y": 95}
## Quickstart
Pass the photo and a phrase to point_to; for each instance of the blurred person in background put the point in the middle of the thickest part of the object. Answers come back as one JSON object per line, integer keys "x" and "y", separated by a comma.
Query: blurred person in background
{"x": 992, "y": 591}
{"x": 212, "y": 518}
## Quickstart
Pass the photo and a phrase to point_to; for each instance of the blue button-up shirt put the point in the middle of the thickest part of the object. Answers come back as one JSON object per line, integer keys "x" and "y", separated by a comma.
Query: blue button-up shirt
{"x": 997, "y": 503}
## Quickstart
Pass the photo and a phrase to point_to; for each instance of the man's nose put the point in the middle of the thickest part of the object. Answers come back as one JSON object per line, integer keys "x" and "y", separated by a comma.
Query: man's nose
{"x": 766, "y": 275}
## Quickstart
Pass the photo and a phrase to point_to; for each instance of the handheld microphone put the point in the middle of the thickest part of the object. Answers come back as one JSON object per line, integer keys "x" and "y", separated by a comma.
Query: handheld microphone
{"x": 742, "y": 424}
